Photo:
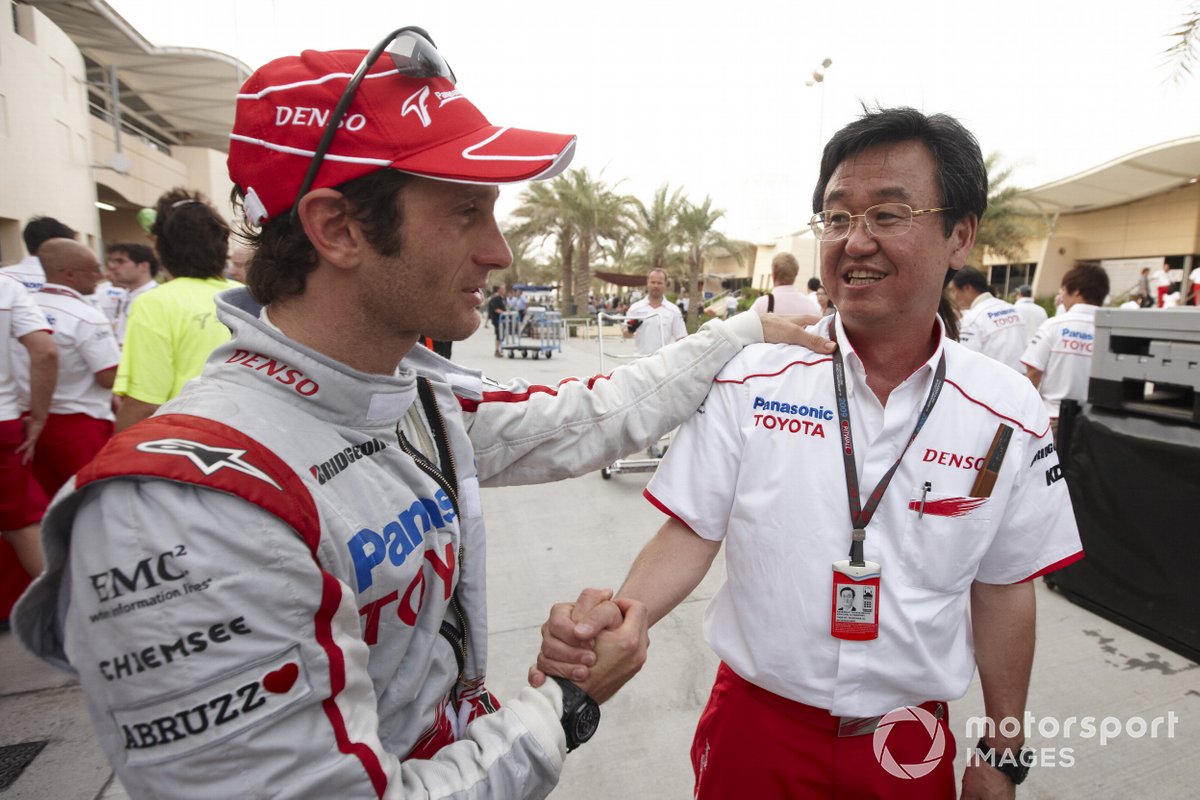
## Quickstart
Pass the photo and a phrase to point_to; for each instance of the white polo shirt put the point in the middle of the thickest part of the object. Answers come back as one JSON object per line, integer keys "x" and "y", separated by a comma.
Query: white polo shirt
{"x": 788, "y": 300}
{"x": 107, "y": 298}
{"x": 1062, "y": 350}
{"x": 660, "y": 326}
{"x": 29, "y": 272}
{"x": 772, "y": 486}
{"x": 86, "y": 345}
{"x": 994, "y": 328}
{"x": 19, "y": 316}
{"x": 121, "y": 323}
{"x": 1031, "y": 314}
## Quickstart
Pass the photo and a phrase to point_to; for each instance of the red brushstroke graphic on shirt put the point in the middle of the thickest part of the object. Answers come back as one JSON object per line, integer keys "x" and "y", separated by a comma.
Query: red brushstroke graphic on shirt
{"x": 949, "y": 506}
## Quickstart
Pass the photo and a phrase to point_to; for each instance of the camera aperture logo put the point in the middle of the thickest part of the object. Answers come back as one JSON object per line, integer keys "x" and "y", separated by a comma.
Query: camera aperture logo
{"x": 909, "y": 715}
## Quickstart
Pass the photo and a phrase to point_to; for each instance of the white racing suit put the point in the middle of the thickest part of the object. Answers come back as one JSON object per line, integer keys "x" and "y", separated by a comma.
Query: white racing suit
{"x": 291, "y": 601}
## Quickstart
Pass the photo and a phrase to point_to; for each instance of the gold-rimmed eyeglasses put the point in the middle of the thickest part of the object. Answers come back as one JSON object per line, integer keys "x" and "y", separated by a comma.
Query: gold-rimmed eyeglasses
{"x": 885, "y": 219}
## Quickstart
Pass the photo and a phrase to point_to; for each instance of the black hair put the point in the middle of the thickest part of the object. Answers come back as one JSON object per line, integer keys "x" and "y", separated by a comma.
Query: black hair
{"x": 190, "y": 236}
{"x": 283, "y": 255}
{"x": 137, "y": 253}
{"x": 1089, "y": 280}
{"x": 959, "y": 169}
{"x": 969, "y": 276}
{"x": 41, "y": 229}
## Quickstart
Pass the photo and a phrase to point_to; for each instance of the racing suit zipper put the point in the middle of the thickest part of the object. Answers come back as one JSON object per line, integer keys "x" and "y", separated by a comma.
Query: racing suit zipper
{"x": 448, "y": 480}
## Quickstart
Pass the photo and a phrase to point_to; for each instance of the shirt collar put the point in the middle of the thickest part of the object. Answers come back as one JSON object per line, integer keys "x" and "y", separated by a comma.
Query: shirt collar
{"x": 981, "y": 299}
{"x": 855, "y": 365}
{"x": 58, "y": 288}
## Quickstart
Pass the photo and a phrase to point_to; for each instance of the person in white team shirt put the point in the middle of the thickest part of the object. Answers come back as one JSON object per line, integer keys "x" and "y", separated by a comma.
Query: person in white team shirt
{"x": 108, "y": 298}
{"x": 81, "y": 416}
{"x": 132, "y": 267}
{"x": 786, "y": 297}
{"x": 29, "y": 269}
{"x": 989, "y": 325}
{"x": 1030, "y": 312}
{"x": 652, "y": 321}
{"x": 1059, "y": 359}
{"x": 899, "y": 199}
{"x": 22, "y": 501}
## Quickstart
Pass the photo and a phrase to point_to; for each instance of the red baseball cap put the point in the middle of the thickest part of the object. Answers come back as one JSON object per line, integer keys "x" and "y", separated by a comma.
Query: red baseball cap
{"x": 424, "y": 126}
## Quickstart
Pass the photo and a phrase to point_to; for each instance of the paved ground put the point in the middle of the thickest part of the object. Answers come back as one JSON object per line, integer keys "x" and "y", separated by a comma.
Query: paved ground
{"x": 548, "y": 542}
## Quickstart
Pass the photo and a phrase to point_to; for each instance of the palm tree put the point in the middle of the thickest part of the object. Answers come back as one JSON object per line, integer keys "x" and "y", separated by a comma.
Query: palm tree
{"x": 1181, "y": 55}
{"x": 579, "y": 212}
{"x": 658, "y": 225}
{"x": 597, "y": 213}
{"x": 545, "y": 216}
{"x": 698, "y": 237}
{"x": 1004, "y": 229}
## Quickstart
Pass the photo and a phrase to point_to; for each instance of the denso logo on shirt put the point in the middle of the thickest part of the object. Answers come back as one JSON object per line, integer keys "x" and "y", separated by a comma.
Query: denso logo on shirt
{"x": 281, "y": 372}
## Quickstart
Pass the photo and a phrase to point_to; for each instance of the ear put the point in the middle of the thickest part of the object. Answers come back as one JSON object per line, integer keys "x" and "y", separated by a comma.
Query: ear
{"x": 336, "y": 236}
{"x": 962, "y": 239}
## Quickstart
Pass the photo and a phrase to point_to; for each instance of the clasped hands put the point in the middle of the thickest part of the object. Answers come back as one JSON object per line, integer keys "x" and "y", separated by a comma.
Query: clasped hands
{"x": 597, "y": 642}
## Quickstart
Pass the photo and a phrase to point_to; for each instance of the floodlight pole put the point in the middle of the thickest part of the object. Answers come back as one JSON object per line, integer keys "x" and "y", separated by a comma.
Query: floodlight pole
{"x": 818, "y": 79}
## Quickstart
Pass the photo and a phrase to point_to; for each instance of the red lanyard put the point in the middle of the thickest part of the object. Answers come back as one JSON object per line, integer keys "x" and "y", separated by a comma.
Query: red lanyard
{"x": 860, "y": 515}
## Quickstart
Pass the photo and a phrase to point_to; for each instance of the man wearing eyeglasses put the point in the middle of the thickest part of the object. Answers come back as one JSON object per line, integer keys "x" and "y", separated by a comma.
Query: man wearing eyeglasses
{"x": 275, "y": 585}
{"x": 922, "y": 461}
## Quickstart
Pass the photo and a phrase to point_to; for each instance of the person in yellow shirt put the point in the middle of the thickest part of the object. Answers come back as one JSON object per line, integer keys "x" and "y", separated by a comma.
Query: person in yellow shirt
{"x": 173, "y": 328}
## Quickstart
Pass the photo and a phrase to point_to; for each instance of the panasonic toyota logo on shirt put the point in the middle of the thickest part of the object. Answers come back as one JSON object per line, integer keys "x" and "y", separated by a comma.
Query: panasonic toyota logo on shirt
{"x": 786, "y": 417}
{"x": 794, "y": 409}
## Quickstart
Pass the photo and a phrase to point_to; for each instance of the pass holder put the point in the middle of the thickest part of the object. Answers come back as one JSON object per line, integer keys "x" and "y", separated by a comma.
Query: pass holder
{"x": 854, "y": 614}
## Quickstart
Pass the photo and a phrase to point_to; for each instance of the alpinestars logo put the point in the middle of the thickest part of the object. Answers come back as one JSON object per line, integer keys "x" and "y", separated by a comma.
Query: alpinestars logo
{"x": 206, "y": 457}
{"x": 416, "y": 104}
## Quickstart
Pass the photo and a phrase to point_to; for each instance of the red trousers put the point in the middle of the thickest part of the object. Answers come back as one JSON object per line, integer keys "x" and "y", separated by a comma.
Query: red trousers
{"x": 753, "y": 743}
{"x": 22, "y": 501}
{"x": 67, "y": 444}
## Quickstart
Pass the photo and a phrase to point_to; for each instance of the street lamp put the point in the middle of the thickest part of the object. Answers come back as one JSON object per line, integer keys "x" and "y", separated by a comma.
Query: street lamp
{"x": 818, "y": 77}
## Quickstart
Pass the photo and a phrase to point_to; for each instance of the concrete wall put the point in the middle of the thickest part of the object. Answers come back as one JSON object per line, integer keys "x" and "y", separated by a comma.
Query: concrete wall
{"x": 1166, "y": 224}
{"x": 54, "y": 154}
{"x": 151, "y": 171}
{"x": 207, "y": 172}
{"x": 44, "y": 152}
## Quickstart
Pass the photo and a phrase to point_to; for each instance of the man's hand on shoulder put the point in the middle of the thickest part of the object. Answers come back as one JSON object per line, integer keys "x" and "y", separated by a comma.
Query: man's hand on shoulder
{"x": 783, "y": 329}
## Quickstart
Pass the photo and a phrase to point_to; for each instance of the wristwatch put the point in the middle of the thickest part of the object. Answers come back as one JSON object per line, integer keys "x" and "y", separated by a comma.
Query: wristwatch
{"x": 1016, "y": 769}
{"x": 581, "y": 714}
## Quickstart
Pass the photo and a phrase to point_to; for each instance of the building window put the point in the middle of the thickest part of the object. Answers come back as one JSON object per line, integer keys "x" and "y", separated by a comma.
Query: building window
{"x": 1005, "y": 278}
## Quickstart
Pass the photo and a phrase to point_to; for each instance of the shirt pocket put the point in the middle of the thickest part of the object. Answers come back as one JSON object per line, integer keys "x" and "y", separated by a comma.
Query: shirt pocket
{"x": 941, "y": 549}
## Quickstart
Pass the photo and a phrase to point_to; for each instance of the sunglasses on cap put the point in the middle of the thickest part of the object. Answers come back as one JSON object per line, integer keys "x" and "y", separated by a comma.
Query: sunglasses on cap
{"x": 413, "y": 54}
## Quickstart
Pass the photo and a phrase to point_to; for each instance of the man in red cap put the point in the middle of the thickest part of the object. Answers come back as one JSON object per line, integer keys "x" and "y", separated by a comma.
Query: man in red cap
{"x": 276, "y": 584}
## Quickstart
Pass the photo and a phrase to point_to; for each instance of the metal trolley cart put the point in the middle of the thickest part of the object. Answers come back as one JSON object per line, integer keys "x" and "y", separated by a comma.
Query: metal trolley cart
{"x": 540, "y": 333}
{"x": 625, "y": 352}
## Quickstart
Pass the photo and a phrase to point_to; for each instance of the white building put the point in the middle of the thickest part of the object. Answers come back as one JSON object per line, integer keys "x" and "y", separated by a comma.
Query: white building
{"x": 96, "y": 122}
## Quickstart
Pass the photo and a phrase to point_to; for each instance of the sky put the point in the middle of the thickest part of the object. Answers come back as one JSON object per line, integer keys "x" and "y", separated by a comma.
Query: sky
{"x": 712, "y": 97}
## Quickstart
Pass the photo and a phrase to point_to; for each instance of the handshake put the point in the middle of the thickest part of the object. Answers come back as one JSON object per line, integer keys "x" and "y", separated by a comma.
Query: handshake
{"x": 596, "y": 642}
